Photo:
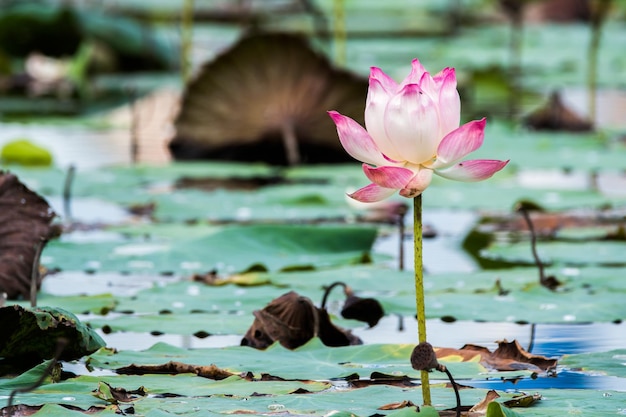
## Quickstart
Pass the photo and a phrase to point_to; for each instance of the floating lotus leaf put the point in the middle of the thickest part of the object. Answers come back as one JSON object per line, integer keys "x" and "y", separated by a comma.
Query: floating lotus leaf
{"x": 29, "y": 336}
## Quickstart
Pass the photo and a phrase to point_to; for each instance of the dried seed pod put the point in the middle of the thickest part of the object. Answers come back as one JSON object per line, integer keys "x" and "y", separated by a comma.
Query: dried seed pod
{"x": 424, "y": 358}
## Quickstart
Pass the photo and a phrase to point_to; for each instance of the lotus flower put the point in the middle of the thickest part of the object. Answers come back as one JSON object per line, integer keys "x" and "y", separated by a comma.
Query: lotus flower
{"x": 412, "y": 132}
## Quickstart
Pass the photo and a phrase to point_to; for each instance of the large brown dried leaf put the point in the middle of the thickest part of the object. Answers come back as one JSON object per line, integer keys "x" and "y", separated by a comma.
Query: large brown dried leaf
{"x": 480, "y": 408}
{"x": 25, "y": 219}
{"x": 267, "y": 86}
{"x": 292, "y": 320}
{"x": 289, "y": 319}
{"x": 115, "y": 395}
{"x": 509, "y": 356}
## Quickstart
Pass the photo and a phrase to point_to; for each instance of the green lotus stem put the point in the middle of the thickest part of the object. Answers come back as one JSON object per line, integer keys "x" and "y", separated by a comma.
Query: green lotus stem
{"x": 419, "y": 289}
{"x": 67, "y": 193}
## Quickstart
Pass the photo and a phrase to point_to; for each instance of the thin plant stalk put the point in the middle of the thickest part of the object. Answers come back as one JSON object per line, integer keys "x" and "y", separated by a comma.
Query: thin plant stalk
{"x": 134, "y": 126}
{"x": 533, "y": 245}
{"x": 34, "y": 273}
{"x": 401, "y": 241}
{"x": 67, "y": 193}
{"x": 339, "y": 31}
{"x": 329, "y": 289}
{"x": 598, "y": 17}
{"x": 419, "y": 289}
{"x": 456, "y": 389}
{"x": 531, "y": 343}
{"x": 515, "y": 71}
{"x": 290, "y": 143}
{"x": 549, "y": 282}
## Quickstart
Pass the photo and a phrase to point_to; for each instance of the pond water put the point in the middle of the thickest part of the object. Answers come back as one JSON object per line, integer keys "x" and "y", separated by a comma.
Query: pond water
{"x": 441, "y": 254}
{"x": 88, "y": 149}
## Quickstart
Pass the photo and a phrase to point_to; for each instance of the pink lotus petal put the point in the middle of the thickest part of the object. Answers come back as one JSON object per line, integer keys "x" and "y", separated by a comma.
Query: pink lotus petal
{"x": 428, "y": 86}
{"x": 459, "y": 143}
{"x": 418, "y": 184}
{"x": 375, "y": 107}
{"x": 412, "y": 122}
{"x": 449, "y": 101}
{"x": 417, "y": 70}
{"x": 356, "y": 141}
{"x": 372, "y": 193}
{"x": 474, "y": 170}
{"x": 442, "y": 75}
{"x": 388, "y": 83}
{"x": 388, "y": 177}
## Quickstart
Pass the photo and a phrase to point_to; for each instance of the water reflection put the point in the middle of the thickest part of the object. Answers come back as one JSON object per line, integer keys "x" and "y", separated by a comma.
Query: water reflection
{"x": 563, "y": 380}
{"x": 442, "y": 253}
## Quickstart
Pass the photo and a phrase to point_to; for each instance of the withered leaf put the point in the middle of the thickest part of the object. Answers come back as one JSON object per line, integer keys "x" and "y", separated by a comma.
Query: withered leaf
{"x": 509, "y": 356}
{"x": 23, "y": 410}
{"x": 397, "y": 406}
{"x": 292, "y": 320}
{"x": 523, "y": 400}
{"x": 378, "y": 378}
{"x": 332, "y": 335}
{"x": 25, "y": 219}
{"x": 368, "y": 310}
{"x": 173, "y": 367}
{"x": 20, "y": 410}
{"x": 115, "y": 395}
{"x": 480, "y": 408}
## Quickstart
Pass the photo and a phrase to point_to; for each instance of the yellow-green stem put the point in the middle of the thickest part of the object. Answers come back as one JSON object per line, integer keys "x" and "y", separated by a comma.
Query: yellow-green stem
{"x": 419, "y": 288}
